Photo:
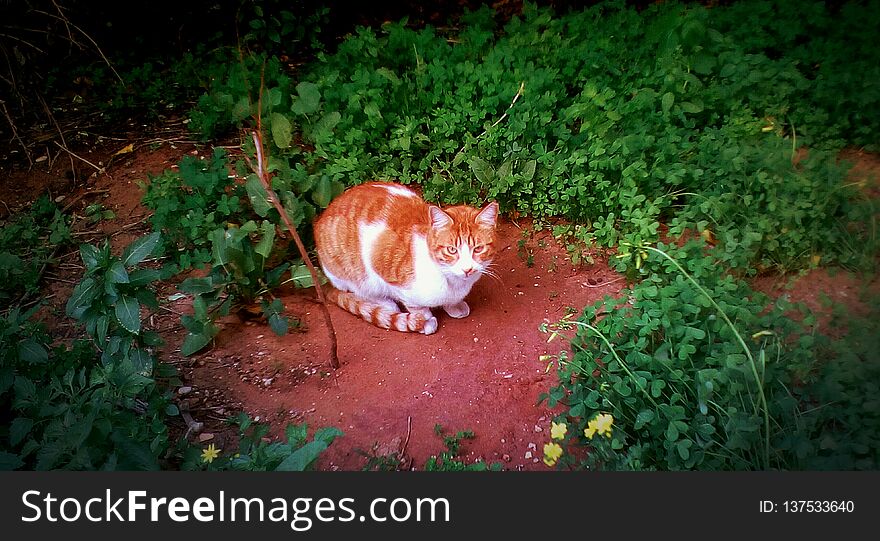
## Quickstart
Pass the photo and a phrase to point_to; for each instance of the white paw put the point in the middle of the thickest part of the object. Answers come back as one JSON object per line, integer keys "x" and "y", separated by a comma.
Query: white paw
{"x": 430, "y": 326}
{"x": 457, "y": 310}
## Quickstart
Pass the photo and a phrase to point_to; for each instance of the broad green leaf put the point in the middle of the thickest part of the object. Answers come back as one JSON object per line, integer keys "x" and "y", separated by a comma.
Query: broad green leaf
{"x": 258, "y": 196}
{"x": 388, "y": 74}
{"x": 327, "y": 434}
{"x": 528, "y": 170}
{"x": 372, "y": 110}
{"x": 296, "y": 434}
{"x": 300, "y": 459}
{"x": 301, "y": 276}
{"x": 667, "y": 101}
{"x": 89, "y": 255}
{"x": 323, "y": 128}
{"x": 139, "y": 249}
{"x": 274, "y": 97}
{"x": 644, "y": 417}
{"x": 278, "y": 323}
{"x": 101, "y": 328}
{"x": 9, "y": 461}
{"x": 219, "y": 247}
{"x": 117, "y": 273}
{"x": 83, "y": 295}
{"x": 671, "y": 431}
{"x": 264, "y": 247}
{"x": 242, "y": 109}
{"x": 142, "y": 277}
{"x": 282, "y": 132}
{"x": 141, "y": 360}
{"x": 505, "y": 169}
{"x": 197, "y": 285}
{"x": 32, "y": 352}
{"x": 683, "y": 448}
{"x": 195, "y": 342}
{"x": 308, "y": 98}
{"x": 657, "y": 387}
{"x": 484, "y": 171}
{"x": 690, "y": 107}
{"x": 200, "y": 308}
{"x": 323, "y": 192}
{"x": 128, "y": 312}
{"x": 24, "y": 388}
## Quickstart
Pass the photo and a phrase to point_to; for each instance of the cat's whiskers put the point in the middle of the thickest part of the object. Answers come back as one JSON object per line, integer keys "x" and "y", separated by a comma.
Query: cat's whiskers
{"x": 489, "y": 271}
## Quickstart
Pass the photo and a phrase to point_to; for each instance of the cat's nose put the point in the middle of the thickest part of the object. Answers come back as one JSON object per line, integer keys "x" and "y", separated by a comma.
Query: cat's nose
{"x": 468, "y": 272}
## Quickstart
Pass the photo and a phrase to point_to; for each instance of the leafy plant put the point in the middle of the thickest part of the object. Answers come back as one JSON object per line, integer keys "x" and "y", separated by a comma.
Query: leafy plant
{"x": 699, "y": 371}
{"x": 95, "y": 404}
{"x": 554, "y": 118}
{"x": 238, "y": 278}
{"x": 448, "y": 460}
{"x": 255, "y": 453}
{"x": 28, "y": 241}
{"x": 107, "y": 301}
{"x": 191, "y": 203}
{"x": 96, "y": 212}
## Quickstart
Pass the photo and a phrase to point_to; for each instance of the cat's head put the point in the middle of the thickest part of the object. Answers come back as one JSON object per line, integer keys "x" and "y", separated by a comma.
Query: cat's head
{"x": 462, "y": 238}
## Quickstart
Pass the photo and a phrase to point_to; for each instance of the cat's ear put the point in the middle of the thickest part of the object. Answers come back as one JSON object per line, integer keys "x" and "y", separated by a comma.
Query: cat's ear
{"x": 438, "y": 217}
{"x": 489, "y": 215}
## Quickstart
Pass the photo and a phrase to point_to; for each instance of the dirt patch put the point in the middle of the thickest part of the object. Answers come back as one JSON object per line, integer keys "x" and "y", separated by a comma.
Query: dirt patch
{"x": 481, "y": 373}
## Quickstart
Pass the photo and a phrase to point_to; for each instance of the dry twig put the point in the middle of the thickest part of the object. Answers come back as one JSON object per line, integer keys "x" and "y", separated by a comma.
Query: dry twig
{"x": 263, "y": 175}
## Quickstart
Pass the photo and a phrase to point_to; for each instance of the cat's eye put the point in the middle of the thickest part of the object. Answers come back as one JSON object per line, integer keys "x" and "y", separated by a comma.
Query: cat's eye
{"x": 451, "y": 250}
{"x": 479, "y": 249}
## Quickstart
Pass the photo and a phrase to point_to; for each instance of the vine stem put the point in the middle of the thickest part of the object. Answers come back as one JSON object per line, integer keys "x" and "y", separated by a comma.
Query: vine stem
{"x": 617, "y": 357}
{"x": 742, "y": 343}
{"x": 263, "y": 175}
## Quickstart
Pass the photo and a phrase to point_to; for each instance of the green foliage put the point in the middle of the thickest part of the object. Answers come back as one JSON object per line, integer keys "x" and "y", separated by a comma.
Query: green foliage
{"x": 701, "y": 372}
{"x": 28, "y": 240}
{"x": 107, "y": 301}
{"x": 207, "y": 216}
{"x": 448, "y": 460}
{"x": 256, "y": 453}
{"x": 278, "y": 26}
{"x": 613, "y": 118}
{"x": 95, "y": 404}
{"x": 104, "y": 403}
{"x": 845, "y": 397}
{"x": 190, "y": 203}
{"x": 238, "y": 277}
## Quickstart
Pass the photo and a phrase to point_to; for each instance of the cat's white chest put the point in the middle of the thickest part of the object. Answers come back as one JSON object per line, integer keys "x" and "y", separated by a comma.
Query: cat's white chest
{"x": 430, "y": 286}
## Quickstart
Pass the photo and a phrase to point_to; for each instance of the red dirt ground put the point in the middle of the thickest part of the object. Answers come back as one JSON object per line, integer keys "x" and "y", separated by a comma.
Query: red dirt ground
{"x": 481, "y": 373}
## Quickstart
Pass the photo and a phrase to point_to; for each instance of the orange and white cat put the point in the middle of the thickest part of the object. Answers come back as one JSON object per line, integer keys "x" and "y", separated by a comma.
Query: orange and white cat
{"x": 382, "y": 248}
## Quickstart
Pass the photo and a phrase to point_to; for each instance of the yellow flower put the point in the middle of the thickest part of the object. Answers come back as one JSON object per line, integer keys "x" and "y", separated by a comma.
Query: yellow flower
{"x": 558, "y": 430}
{"x": 552, "y": 452}
{"x": 601, "y": 424}
{"x": 210, "y": 453}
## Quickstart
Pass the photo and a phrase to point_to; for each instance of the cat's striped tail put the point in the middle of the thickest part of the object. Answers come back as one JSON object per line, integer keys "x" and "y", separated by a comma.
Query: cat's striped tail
{"x": 382, "y": 315}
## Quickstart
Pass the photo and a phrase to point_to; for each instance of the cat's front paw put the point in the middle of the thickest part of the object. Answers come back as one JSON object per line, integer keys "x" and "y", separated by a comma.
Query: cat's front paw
{"x": 457, "y": 310}
{"x": 430, "y": 326}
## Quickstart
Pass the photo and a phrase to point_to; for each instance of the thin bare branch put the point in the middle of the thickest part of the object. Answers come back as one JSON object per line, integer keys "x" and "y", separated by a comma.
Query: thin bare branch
{"x": 15, "y": 133}
{"x": 77, "y": 156}
{"x": 67, "y": 23}
{"x": 29, "y": 44}
{"x": 262, "y": 174}
{"x": 63, "y": 144}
